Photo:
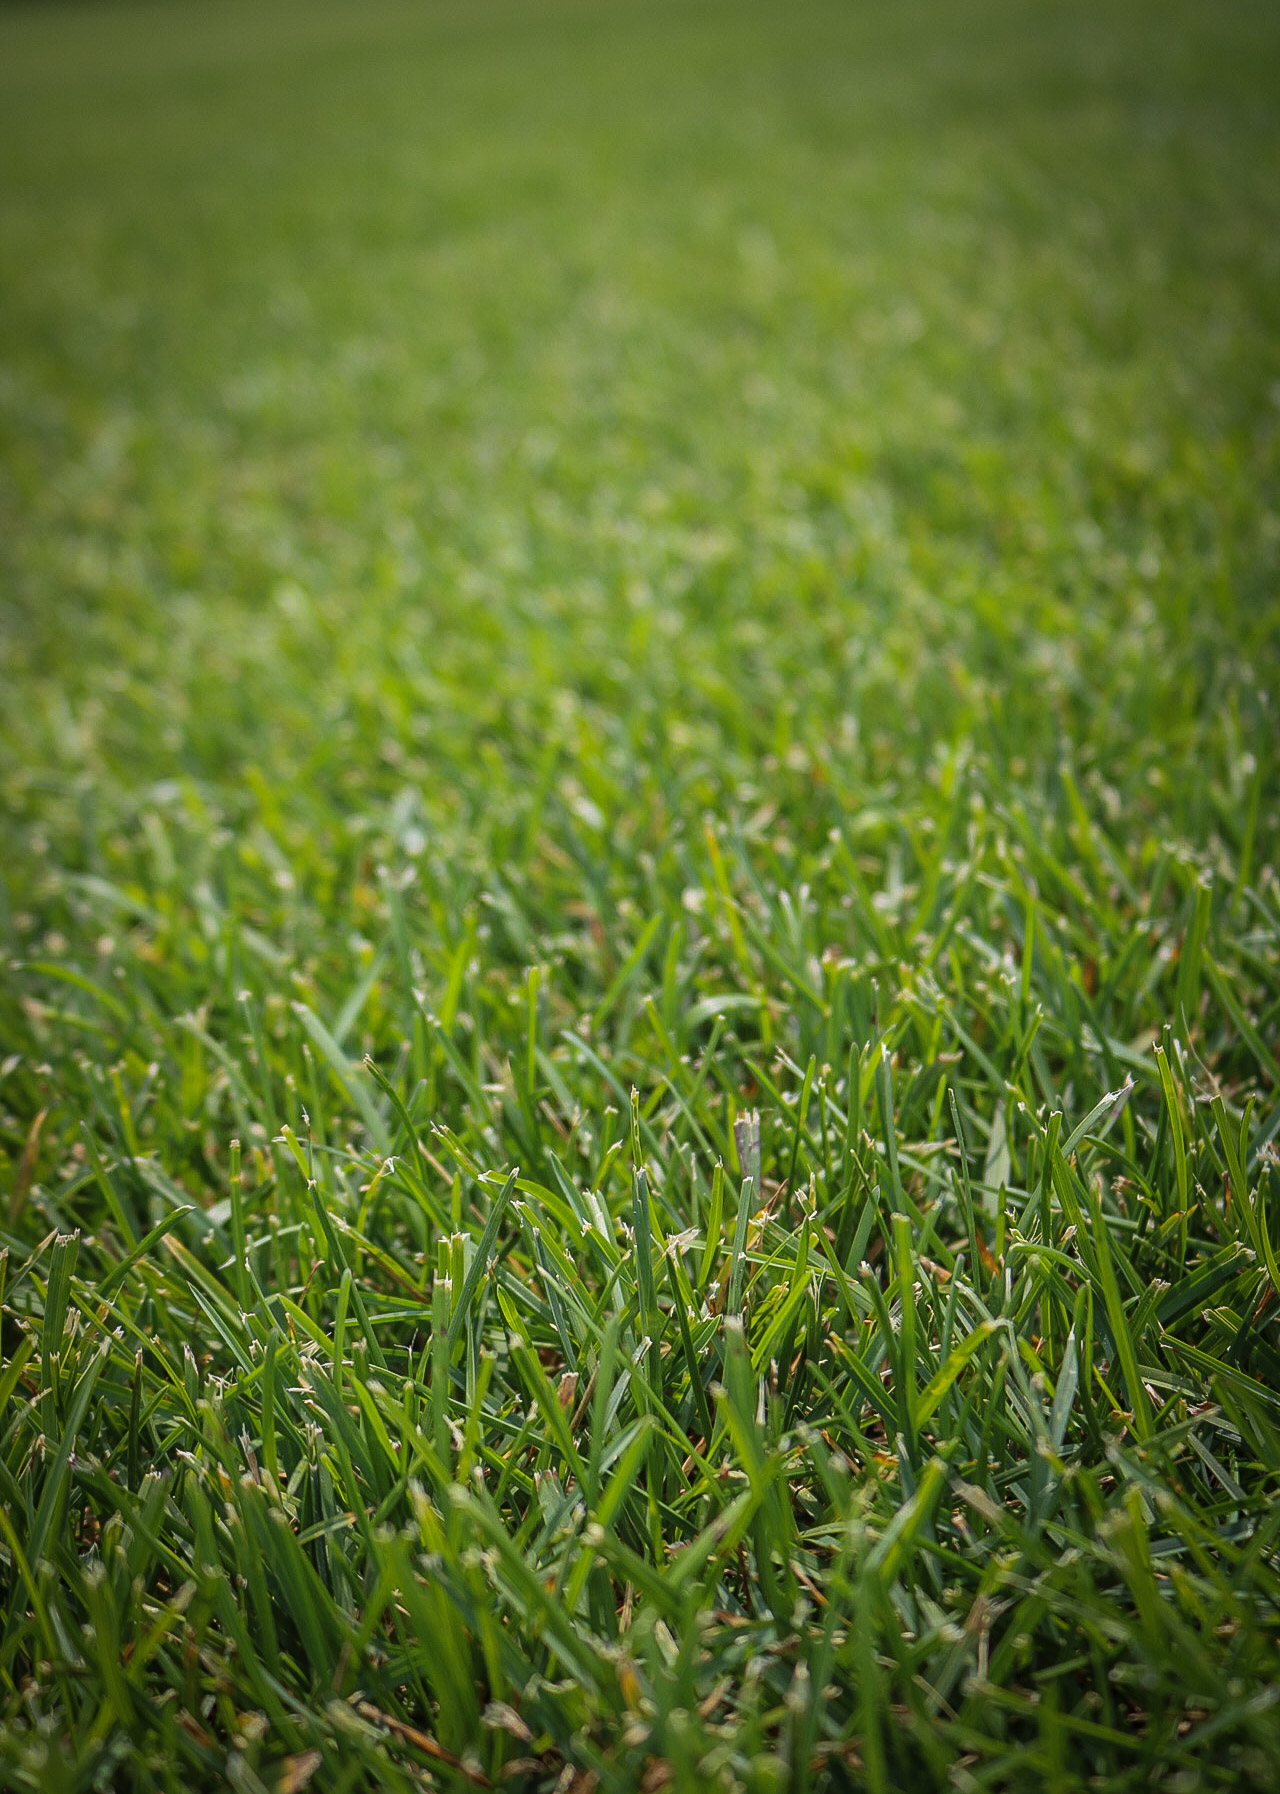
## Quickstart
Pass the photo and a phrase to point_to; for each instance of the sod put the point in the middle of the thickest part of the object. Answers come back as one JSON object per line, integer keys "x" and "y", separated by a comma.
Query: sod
{"x": 638, "y": 1047}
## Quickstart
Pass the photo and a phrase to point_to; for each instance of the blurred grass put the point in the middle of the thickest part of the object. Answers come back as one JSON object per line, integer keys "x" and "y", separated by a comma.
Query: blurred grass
{"x": 550, "y": 549}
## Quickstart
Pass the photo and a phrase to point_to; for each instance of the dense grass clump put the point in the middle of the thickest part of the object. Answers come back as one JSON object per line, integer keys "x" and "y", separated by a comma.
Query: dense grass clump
{"x": 638, "y": 1059}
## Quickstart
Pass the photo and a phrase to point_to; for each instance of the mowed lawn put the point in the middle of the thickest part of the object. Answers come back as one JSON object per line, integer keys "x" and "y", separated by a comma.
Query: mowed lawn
{"x": 639, "y": 1088}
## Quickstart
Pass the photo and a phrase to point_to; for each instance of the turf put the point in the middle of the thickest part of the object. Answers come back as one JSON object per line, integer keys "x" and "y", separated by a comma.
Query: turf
{"x": 639, "y": 1082}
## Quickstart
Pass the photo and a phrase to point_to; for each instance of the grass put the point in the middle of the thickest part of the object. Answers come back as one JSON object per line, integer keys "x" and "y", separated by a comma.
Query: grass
{"x": 639, "y": 1055}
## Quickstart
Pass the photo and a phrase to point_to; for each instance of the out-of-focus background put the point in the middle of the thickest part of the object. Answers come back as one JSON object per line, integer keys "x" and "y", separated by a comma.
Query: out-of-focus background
{"x": 694, "y": 331}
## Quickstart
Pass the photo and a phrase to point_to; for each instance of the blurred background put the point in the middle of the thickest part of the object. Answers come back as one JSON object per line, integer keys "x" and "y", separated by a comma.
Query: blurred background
{"x": 392, "y": 393}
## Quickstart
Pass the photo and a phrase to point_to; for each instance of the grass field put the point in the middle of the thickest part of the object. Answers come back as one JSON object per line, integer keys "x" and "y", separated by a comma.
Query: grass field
{"x": 639, "y": 1099}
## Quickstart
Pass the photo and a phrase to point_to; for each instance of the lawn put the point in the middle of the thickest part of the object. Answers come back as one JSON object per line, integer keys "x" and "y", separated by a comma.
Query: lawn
{"x": 639, "y": 799}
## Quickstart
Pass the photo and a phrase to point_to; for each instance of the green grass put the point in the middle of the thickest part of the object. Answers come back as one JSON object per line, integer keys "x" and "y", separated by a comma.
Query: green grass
{"x": 638, "y": 1060}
